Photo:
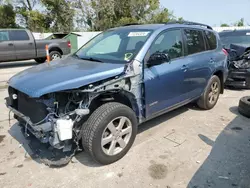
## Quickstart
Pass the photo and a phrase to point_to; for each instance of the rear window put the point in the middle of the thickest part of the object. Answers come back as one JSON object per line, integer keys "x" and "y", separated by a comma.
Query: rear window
{"x": 211, "y": 40}
{"x": 195, "y": 41}
{"x": 236, "y": 37}
{"x": 19, "y": 35}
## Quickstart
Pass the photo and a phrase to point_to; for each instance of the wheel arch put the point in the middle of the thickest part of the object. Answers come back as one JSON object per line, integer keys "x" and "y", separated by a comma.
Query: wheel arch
{"x": 122, "y": 97}
{"x": 55, "y": 48}
{"x": 220, "y": 74}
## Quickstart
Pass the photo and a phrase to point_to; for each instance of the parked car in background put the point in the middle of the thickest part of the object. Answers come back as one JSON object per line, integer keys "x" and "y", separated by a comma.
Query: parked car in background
{"x": 19, "y": 44}
{"x": 237, "y": 44}
{"x": 119, "y": 79}
{"x": 239, "y": 37}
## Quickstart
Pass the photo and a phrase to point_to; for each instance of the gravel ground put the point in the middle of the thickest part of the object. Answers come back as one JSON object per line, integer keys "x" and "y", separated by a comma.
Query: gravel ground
{"x": 184, "y": 148}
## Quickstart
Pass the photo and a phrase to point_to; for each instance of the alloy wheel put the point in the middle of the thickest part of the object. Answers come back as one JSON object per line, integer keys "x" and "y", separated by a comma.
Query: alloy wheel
{"x": 55, "y": 57}
{"x": 116, "y": 135}
{"x": 214, "y": 93}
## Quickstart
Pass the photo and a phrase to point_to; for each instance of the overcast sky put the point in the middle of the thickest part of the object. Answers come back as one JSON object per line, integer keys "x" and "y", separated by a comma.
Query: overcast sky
{"x": 212, "y": 12}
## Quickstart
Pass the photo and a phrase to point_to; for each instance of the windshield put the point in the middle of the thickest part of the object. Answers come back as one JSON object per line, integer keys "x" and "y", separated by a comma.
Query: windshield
{"x": 240, "y": 39}
{"x": 115, "y": 46}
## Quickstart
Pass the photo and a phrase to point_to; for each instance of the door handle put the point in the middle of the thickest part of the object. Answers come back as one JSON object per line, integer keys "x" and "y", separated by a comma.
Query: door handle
{"x": 30, "y": 43}
{"x": 184, "y": 68}
{"x": 10, "y": 44}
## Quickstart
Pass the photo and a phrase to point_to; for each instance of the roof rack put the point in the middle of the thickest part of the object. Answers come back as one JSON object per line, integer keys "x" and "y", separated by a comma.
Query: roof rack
{"x": 131, "y": 24}
{"x": 190, "y": 23}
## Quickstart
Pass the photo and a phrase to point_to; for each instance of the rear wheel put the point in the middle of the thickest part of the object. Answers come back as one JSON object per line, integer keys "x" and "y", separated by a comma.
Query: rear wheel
{"x": 109, "y": 132}
{"x": 55, "y": 55}
{"x": 211, "y": 94}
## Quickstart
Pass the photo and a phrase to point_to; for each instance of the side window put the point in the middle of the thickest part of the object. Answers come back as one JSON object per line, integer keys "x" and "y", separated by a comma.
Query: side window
{"x": 4, "y": 36}
{"x": 19, "y": 35}
{"x": 211, "y": 40}
{"x": 170, "y": 42}
{"x": 108, "y": 45}
{"x": 195, "y": 41}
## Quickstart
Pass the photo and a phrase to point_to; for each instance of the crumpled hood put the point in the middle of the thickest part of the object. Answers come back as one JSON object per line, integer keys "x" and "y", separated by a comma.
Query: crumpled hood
{"x": 68, "y": 73}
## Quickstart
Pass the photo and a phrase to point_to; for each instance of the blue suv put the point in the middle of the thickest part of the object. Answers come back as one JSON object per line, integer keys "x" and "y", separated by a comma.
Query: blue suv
{"x": 121, "y": 78}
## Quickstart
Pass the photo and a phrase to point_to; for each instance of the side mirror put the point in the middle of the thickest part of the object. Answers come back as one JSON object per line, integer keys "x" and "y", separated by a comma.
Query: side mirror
{"x": 157, "y": 59}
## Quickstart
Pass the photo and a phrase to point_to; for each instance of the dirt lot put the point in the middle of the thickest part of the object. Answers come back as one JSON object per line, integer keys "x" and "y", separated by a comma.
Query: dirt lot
{"x": 184, "y": 148}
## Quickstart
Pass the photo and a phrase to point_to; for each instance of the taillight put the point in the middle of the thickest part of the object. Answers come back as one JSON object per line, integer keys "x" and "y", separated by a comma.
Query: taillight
{"x": 225, "y": 52}
{"x": 69, "y": 44}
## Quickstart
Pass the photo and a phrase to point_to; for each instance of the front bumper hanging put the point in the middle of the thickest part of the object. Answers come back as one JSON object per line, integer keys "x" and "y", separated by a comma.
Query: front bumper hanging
{"x": 37, "y": 130}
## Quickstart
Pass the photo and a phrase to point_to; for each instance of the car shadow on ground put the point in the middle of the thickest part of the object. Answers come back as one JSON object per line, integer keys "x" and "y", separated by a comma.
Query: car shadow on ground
{"x": 228, "y": 164}
{"x": 160, "y": 119}
{"x": 16, "y": 64}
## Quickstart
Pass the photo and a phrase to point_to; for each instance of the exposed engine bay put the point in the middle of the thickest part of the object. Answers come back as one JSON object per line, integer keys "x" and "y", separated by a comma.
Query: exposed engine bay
{"x": 56, "y": 119}
{"x": 239, "y": 66}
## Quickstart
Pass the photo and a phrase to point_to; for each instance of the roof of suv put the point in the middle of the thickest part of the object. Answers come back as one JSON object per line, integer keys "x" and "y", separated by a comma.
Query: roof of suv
{"x": 167, "y": 25}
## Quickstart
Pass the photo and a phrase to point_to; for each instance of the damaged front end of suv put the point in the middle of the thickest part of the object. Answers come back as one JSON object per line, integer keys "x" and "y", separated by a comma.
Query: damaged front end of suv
{"x": 239, "y": 67}
{"x": 57, "y": 118}
{"x": 54, "y": 101}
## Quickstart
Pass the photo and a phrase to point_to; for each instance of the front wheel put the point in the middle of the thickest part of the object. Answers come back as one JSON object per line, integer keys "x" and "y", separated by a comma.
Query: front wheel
{"x": 109, "y": 132}
{"x": 211, "y": 94}
{"x": 40, "y": 60}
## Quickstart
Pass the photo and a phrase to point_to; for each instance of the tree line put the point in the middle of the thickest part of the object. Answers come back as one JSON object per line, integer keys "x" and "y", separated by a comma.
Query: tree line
{"x": 239, "y": 23}
{"x": 81, "y": 15}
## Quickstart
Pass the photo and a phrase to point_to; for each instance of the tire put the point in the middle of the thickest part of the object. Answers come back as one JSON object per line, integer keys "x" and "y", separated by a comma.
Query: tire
{"x": 204, "y": 101}
{"x": 55, "y": 55}
{"x": 40, "y": 60}
{"x": 244, "y": 106}
{"x": 96, "y": 128}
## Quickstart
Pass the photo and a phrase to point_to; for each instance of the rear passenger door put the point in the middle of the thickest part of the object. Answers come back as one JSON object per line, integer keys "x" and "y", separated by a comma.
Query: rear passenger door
{"x": 198, "y": 62}
{"x": 24, "y": 45}
{"x": 7, "y": 51}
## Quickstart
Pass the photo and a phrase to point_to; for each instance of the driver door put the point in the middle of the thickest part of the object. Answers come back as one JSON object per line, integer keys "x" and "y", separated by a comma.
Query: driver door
{"x": 164, "y": 82}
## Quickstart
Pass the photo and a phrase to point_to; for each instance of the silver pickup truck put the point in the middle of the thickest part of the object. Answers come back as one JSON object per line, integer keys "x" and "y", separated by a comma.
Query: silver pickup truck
{"x": 19, "y": 44}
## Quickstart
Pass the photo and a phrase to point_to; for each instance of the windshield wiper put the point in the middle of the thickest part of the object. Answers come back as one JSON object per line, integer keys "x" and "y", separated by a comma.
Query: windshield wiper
{"x": 90, "y": 59}
{"x": 76, "y": 56}
{"x": 86, "y": 58}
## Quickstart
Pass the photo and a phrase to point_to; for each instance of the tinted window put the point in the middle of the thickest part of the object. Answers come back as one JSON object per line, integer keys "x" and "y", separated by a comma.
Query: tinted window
{"x": 169, "y": 42}
{"x": 4, "y": 36}
{"x": 195, "y": 41}
{"x": 19, "y": 35}
{"x": 211, "y": 40}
